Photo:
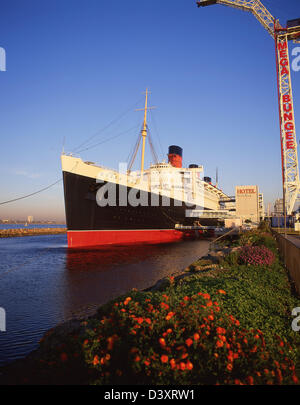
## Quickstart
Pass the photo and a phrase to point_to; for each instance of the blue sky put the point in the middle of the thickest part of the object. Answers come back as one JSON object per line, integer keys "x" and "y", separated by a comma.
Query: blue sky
{"x": 74, "y": 66}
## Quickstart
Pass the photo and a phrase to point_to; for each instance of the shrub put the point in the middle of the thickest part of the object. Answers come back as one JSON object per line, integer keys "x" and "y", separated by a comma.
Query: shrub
{"x": 231, "y": 259}
{"x": 264, "y": 226}
{"x": 257, "y": 256}
{"x": 165, "y": 339}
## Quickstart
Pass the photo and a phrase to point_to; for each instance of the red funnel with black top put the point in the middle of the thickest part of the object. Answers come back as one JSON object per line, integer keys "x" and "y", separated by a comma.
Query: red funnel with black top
{"x": 175, "y": 156}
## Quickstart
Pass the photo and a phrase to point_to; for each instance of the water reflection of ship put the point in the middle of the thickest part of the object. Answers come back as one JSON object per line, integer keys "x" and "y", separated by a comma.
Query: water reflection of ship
{"x": 104, "y": 258}
{"x": 95, "y": 276}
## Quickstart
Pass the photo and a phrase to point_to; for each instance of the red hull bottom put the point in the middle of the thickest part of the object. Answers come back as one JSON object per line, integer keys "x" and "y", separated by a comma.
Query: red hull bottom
{"x": 80, "y": 239}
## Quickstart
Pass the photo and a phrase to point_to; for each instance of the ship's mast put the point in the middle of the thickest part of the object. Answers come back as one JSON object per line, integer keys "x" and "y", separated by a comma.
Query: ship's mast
{"x": 144, "y": 130}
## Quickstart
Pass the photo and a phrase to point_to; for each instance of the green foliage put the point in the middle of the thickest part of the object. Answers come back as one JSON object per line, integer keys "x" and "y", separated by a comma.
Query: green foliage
{"x": 173, "y": 338}
{"x": 264, "y": 226}
{"x": 232, "y": 259}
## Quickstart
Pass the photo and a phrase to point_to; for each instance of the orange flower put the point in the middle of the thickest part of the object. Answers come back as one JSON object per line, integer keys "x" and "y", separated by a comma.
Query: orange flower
{"x": 196, "y": 336}
{"x": 216, "y": 355}
{"x": 172, "y": 363}
{"x": 170, "y": 315}
{"x": 164, "y": 305}
{"x": 186, "y": 298}
{"x": 210, "y": 317}
{"x": 148, "y": 320}
{"x": 221, "y": 331}
{"x": 147, "y": 363}
{"x": 219, "y": 343}
{"x": 137, "y": 359}
{"x": 182, "y": 366}
{"x": 140, "y": 320}
{"x": 221, "y": 292}
{"x": 162, "y": 342}
{"x": 189, "y": 342}
{"x": 164, "y": 358}
{"x": 229, "y": 366}
{"x": 209, "y": 304}
{"x": 96, "y": 360}
{"x": 206, "y": 296}
{"x": 189, "y": 365}
{"x": 127, "y": 300}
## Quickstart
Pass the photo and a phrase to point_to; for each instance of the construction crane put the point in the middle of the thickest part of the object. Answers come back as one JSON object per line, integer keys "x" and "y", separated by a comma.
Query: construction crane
{"x": 281, "y": 36}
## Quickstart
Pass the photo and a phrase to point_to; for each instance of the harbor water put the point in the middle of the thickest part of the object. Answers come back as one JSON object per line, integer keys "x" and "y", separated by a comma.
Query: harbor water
{"x": 43, "y": 283}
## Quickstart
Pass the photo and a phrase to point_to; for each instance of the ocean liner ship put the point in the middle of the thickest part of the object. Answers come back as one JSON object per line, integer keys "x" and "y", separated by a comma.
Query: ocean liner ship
{"x": 105, "y": 206}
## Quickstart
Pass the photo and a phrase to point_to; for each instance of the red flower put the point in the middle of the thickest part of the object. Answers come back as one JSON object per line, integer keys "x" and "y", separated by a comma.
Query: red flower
{"x": 189, "y": 365}
{"x": 170, "y": 315}
{"x": 164, "y": 358}
{"x": 162, "y": 342}
{"x": 250, "y": 380}
{"x": 189, "y": 342}
{"x": 172, "y": 363}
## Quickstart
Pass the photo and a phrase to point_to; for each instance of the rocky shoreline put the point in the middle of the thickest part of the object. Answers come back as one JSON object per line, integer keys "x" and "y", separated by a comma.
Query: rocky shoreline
{"x": 9, "y": 233}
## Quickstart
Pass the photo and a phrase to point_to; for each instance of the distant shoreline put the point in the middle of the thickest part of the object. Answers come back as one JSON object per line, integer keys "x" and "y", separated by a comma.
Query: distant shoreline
{"x": 9, "y": 233}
